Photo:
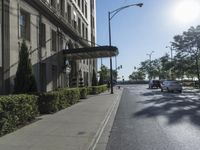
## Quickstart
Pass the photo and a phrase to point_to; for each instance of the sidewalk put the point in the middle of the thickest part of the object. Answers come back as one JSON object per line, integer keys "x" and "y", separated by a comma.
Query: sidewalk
{"x": 76, "y": 128}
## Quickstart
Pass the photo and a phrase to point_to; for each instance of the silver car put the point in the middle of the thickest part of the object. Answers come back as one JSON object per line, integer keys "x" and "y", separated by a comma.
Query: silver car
{"x": 171, "y": 86}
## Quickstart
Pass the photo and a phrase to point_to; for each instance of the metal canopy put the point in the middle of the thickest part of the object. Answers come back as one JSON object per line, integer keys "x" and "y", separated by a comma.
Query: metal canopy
{"x": 90, "y": 52}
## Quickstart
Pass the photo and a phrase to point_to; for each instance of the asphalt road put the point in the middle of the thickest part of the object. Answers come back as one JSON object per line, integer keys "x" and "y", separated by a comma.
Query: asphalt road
{"x": 148, "y": 119}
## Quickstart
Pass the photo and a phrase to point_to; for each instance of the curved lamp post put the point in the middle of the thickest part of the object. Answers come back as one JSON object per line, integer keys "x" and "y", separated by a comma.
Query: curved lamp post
{"x": 111, "y": 14}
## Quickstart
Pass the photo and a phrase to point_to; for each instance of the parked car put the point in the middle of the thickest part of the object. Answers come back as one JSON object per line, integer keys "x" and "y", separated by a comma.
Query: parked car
{"x": 154, "y": 84}
{"x": 171, "y": 86}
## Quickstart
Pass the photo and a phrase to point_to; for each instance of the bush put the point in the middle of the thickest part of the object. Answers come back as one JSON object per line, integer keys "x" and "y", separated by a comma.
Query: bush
{"x": 24, "y": 81}
{"x": 83, "y": 93}
{"x": 16, "y": 110}
{"x": 97, "y": 89}
{"x": 48, "y": 102}
{"x": 54, "y": 101}
{"x": 71, "y": 95}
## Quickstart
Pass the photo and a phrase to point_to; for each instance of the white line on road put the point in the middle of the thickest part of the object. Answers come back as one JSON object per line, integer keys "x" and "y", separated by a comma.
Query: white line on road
{"x": 97, "y": 136}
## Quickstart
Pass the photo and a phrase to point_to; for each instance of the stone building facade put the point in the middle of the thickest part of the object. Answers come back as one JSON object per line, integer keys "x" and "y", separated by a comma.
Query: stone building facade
{"x": 48, "y": 27}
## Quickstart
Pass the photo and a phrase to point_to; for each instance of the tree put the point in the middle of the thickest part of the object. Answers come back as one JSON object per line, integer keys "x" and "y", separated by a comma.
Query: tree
{"x": 166, "y": 65}
{"x": 137, "y": 75}
{"x": 94, "y": 78}
{"x": 24, "y": 80}
{"x": 145, "y": 67}
{"x": 188, "y": 44}
{"x": 101, "y": 82}
{"x": 104, "y": 75}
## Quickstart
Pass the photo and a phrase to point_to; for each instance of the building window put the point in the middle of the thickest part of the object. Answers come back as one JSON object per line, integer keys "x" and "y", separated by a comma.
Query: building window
{"x": 24, "y": 25}
{"x": 83, "y": 30}
{"x": 53, "y": 40}
{"x": 43, "y": 77}
{"x": 86, "y": 30}
{"x": 54, "y": 76}
{"x": 69, "y": 13}
{"x": 53, "y": 3}
{"x": 92, "y": 22}
{"x": 75, "y": 20}
{"x": 82, "y": 6}
{"x": 42, "y": 35}
{"x": 79, "y": 3}
{"x": 62, "y": 7}
{"x": 92, "y": 4}
{"x": 85, "y": 9}
{"x": 79, "y": 25}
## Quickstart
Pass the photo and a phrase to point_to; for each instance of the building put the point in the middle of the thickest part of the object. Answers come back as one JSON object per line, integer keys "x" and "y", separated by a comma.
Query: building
{"x": 48, "y": 27}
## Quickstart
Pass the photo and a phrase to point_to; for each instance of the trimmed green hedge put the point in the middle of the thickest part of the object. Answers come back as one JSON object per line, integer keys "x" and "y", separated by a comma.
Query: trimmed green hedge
{"x": 16, "y": 110}
{"x": 97, "y": 89}
{"x": 83, "y": 92}
{"x": 54, "y": 101}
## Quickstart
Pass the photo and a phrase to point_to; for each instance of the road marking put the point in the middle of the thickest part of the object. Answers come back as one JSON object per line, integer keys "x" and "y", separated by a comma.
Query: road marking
{"x": 97, "y": 136}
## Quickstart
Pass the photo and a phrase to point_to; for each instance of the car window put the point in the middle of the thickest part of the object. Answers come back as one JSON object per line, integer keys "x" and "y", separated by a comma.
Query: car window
{"x": 174, "y": 82}
{"x": 165, "y": 82}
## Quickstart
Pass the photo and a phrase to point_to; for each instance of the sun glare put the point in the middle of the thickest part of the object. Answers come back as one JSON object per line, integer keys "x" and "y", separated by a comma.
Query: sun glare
{"x": 187, "y": 11}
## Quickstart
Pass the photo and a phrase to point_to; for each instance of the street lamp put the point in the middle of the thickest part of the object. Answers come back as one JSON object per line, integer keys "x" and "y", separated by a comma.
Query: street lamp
{"x": 111, "y": 14}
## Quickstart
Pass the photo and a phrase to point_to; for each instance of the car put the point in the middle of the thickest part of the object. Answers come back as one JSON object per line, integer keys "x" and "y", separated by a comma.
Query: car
{"x": 154, "y": 84}
{"x": 171, "y": 86}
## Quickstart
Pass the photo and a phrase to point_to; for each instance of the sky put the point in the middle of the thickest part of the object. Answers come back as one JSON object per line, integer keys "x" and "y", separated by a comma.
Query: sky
{"x": 139, "y": 31}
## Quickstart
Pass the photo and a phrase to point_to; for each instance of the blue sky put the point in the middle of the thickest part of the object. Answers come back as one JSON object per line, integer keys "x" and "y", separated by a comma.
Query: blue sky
{"x": 138, "y": 31}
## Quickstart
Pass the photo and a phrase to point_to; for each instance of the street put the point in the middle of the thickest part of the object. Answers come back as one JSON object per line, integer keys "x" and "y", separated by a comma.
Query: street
{"x": 148, "y": 119}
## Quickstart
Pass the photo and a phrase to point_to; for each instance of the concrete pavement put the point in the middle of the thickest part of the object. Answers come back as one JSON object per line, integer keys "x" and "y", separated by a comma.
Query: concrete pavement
{"x": 78, "y": 127}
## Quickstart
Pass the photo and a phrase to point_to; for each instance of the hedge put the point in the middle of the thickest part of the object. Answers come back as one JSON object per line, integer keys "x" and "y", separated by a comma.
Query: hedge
{"x": 83, "y": 92}
{"x": 16, "y": 110}
{"x": 51, "y": 102}
{"x": 97, "y": 89}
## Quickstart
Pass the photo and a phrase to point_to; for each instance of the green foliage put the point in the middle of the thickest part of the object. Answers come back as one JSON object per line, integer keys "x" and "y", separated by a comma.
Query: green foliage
{"x": 24, "y": 80}
{"x": 97, "y": 89}
{"x": 48, "y": 102}
{"x": 101, "y": 82}
{"x": 94, "y": 78}
{"x": 104, "y": 75}
{"x": 83, "y": 92}
{"x": 16, "y": 110}
{"x": 187, "y": 47}
{"x": 184, "y": 60}
{"x": 137, "y": 75}
{"x": 54, "y": 101}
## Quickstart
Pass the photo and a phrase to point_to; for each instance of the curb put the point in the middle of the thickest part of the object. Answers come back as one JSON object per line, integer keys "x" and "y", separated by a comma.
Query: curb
{"x": 99, "y": 132}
